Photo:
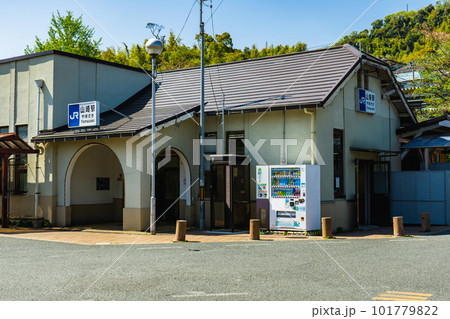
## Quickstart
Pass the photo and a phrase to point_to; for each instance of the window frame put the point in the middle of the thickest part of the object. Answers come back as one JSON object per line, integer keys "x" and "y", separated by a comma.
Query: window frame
{"x": 228, "y": 134}
{"x": 20, "y": 167}
{"x": 338, "y": 158}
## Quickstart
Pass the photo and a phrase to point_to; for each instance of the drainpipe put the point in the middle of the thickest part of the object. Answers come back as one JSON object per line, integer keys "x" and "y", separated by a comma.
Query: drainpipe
{"x": 313, "y": 135}
{"x": 283, "y": 148}
{"x": 39, "y": 84}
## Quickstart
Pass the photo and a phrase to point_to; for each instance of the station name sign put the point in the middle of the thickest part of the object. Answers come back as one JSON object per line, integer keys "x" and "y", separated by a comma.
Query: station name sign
{"x": 366, "y": 101}
{"x": 85, "y": 114}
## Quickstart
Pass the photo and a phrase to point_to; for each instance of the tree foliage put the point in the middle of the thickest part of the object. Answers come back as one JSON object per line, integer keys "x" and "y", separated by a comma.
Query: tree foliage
{"x": 68, "y": 34}
{"x": 176, "y": 55}
{"x": 398, "y": 36}
{"x": 434, "y": 85}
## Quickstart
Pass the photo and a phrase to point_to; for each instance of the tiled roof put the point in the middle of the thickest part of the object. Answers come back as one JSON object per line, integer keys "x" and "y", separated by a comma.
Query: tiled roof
{"x": 304, "y": 79}
{"x": 298, "y": 79}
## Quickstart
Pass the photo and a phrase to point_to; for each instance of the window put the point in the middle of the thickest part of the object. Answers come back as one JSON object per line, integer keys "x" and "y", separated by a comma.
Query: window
{"x": 22, "y": 131}
{"x": 3, "y": 129}
{"x": 338, "y": 156}
{"x": 103, "y": 183}
{"x": 19, "y": 164}
{"x": 235, "y": 143}
{"x": 360, "y": 77}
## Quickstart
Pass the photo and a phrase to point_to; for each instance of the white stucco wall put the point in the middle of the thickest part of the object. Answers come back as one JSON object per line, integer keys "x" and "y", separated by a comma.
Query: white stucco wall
{"x": 96, "y": 161}
{"x": 66, "y": 80}
{"x": 78, "y": 80}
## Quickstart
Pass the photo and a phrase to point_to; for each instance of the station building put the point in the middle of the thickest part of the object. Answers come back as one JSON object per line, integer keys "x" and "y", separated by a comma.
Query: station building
{"x": 287, "y": 109}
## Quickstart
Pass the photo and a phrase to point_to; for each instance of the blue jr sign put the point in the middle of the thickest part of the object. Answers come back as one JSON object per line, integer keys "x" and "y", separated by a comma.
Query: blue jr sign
{"x": 366, "y": 101}
{"x": 86, "y": 114}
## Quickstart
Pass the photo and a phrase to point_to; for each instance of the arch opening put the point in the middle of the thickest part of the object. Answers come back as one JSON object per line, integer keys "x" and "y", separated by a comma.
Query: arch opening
{"x": 95, "y": 187}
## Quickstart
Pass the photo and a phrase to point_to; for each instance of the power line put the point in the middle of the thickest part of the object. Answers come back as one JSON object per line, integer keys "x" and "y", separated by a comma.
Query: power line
{"x": 214, "y": 11}
{"x": 187, "y": 18}
{"x": 214, "y": 35}
{"x": 212, "y": 20}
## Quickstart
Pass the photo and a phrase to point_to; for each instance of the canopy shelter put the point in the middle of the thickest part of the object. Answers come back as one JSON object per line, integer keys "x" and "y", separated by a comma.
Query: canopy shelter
{"x": 10, "y": 144}
{"x": 433, "y": 141}
{"x": 427, "y": 144}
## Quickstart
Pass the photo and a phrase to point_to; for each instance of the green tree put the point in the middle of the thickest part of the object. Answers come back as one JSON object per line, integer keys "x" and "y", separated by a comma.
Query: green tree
{"x": 68, "y": 34}
{"x": 176, "y": 55}
{"x": 397, "y": 36}
{"x": 434, "y": 85}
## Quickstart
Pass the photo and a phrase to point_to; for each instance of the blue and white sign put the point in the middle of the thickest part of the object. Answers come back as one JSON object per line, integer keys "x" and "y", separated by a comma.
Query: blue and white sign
{"x": 366, "y": 101}
{"x": 86, "y": 114}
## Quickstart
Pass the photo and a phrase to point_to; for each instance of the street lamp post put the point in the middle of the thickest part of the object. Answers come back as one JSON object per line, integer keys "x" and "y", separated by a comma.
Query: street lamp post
{"x": 154, "y": 47}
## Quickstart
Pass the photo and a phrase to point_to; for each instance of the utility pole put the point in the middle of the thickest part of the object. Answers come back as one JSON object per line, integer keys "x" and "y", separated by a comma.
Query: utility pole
{"x": 202, "y": 120}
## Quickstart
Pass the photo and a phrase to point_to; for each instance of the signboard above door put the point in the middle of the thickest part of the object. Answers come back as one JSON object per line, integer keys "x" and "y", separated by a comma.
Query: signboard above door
{"x": 85, "y": 114}
{"x": 366, "y": 101}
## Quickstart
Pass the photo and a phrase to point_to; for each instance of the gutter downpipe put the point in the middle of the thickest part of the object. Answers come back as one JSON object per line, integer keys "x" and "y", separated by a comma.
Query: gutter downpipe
{"x": 283, "y": 148}
{"x": 313, "y": 135}
{"x": 39, "y": 84}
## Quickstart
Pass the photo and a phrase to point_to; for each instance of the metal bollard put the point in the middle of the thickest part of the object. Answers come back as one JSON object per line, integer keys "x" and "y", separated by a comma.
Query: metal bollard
{"x": 425, "y": 221}
{"x": 326, "y": 227}
{"x": 180, "y": 233}
{"x": 254, "y": 229}
{"x": 398, "y": 226}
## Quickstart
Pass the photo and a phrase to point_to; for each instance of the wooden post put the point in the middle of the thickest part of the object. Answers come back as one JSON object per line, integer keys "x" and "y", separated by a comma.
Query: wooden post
{"x": 180, "y": 233}
{"x": 398, "y": 226}
{"x": 254, "y": 229}
{"x": 425, "y": 221}
{"x": 5, "y": 221}
{"x": 326, "y": 227}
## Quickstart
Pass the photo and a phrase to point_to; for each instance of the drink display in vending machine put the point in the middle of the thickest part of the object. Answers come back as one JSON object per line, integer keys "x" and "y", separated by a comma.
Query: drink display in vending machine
{"x": 294, "y": 197}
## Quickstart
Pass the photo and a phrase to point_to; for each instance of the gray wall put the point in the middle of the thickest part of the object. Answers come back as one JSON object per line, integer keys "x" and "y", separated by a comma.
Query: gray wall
{"x": 417, "y": 192}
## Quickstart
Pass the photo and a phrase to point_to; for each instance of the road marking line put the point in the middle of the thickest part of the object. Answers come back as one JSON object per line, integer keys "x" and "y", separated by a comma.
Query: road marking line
{"x": 402, "y": 296}
{"x": 409, "y": 293}
{"x": 333, "y": 242}
{"x": 396, "y": 299}
{"x": 246, "y": 245}
{"x": 212, "y": 295}
{"x": 103, "y": 243}
{"x": 151, "y": 248}
{"x": 404, "y": 239}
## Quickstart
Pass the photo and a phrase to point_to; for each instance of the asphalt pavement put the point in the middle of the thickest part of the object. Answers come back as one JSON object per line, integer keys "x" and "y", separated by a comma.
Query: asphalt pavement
{"x": 335, "y": 269}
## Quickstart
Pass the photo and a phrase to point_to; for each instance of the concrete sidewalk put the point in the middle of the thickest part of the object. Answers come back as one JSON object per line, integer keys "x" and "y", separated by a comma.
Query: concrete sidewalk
{"x": 92, "y": 236}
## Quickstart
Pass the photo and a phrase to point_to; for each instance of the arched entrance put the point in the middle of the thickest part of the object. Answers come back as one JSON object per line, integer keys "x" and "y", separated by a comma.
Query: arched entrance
{"x": 173, "y": 180}
{"x": 95, "y": 186}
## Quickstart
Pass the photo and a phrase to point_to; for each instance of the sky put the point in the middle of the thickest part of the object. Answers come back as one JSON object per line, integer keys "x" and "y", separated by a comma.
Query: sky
{"x": 317, "y": 23}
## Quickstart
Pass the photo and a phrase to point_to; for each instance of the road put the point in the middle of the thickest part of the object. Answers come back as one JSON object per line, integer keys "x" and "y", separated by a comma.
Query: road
{"x": 259, "y": 270}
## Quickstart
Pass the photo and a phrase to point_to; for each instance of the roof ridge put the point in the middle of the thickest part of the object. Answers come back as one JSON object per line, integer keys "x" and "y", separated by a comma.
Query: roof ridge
{"x": 278, "y": 56}
{"x": 71, "y": 55}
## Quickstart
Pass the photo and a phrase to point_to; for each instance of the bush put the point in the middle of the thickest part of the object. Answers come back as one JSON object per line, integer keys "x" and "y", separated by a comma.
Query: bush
{"x": 46, "y": 223}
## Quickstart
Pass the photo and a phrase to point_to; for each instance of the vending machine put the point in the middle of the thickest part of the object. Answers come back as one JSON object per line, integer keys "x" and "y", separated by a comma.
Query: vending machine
{"x": 294, "y": 196}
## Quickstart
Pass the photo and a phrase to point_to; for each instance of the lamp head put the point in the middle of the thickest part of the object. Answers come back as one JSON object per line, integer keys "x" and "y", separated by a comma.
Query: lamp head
{"x": 154, "y": 47}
